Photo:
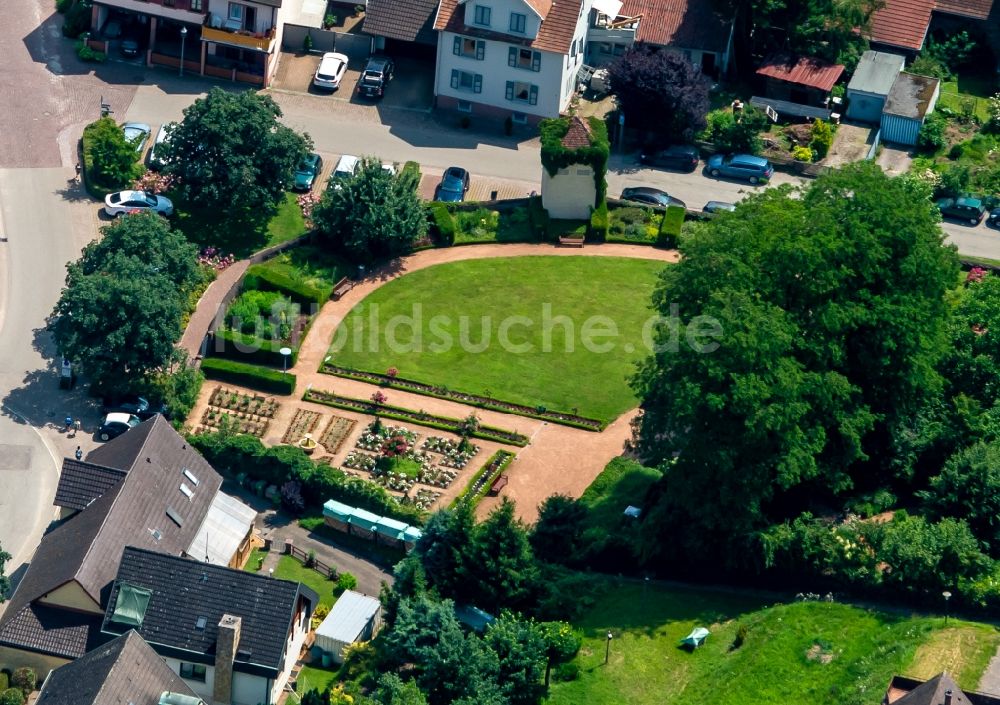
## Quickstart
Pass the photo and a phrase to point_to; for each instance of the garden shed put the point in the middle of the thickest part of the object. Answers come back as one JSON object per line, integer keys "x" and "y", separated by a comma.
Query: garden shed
{"x": 798, "y": 86}
{"x": 354, "y": 618}
{"x": 337, "y": 515}
{"x": 360, "y": 522}
{"x": 870, "y": 85}
{"x": 390, "y": 531}
{"x": 363, "y": 523}
{"x": 910, "y": 101}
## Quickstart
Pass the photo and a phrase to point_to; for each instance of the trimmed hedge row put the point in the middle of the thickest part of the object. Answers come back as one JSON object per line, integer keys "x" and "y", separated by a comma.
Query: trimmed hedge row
{"x": 228, "y": 343}
{"x": 443, "y": 224}
{"x": 539, "y": 217}
{"x": 670, "y": 226}
{"x": 264, "y": 278}
{"x": 600, "y": 222}
{"x": 242, "y": 454}
{"x": 256, "y": 377}
{"x": 496, "y": 464}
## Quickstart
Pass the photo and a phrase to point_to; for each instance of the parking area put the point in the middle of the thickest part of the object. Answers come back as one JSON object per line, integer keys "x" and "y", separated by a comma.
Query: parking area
{"x": 412, "y": 85}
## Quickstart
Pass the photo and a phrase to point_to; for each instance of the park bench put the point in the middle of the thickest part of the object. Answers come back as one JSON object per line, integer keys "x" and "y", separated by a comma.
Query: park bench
{"x": 341, "y": 288}
{"x": 498, "y": 485}
{"x": 567, "y": 241}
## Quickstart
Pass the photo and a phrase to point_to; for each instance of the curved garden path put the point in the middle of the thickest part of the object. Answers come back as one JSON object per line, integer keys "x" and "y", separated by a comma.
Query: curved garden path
{"x": 559, "y": 459}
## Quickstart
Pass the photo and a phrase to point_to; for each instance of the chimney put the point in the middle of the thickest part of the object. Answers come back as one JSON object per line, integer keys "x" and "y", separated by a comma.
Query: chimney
{"x": 226, "y": 644}
{"x": 947, "y": 697}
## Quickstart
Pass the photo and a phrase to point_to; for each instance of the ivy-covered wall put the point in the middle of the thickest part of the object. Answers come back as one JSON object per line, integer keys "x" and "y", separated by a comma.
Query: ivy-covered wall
{"x": 555, "y": 156}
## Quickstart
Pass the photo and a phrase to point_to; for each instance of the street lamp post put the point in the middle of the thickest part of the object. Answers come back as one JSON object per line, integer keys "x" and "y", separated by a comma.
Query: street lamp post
{"x": 184, "y": 34}
{"x": 947, "y": 596}
{"x": 285, "y": 352}
{"x": 607, "y": 649}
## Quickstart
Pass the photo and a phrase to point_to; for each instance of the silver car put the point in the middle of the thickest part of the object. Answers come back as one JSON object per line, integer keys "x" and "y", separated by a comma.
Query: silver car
{"x": 124, "y": 202}
{"x": 137, "y": 133}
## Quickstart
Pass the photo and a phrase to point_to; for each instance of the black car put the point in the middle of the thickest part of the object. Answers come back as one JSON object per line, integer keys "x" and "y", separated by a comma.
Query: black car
{"x": 134, "y": 405}
{"x": 994, "y": 218}
{"x": 454, "y": 184}
{"x": 651, "y": 197}
{"x": 115, "y": 424}
{"x": 680, "y": 157}
{"x": 970, "y": 210}
{"x": 377, "y": 73}
{"x": 130, "y": 46}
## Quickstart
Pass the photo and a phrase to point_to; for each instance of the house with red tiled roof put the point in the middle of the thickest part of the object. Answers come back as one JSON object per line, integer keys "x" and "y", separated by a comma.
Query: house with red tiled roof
{"x": 903, "y": 24}
{"x": 509, "y": 58}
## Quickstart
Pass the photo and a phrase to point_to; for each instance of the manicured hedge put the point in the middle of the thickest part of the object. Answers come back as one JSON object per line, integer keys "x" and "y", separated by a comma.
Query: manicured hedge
{"x": 599, "y": 222}
{"x": 253, "y": 376}
{"x": 670, "y": 226}
{"x": 539, "y": 217}
{"x": 238, "y": 454}
{"x": 264, "y": 278}
{"x": 246, "y": 348}
{"x": 443, "y": 224}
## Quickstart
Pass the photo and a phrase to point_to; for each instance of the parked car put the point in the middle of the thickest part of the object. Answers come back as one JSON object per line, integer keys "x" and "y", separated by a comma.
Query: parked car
{"x": 117, "y": 423}
{"x": 970, "y": 210}
{"x": 307, "y": 171}
{"x": 346, "y": 166}
{"x": 651, "y": 197}
{"x": 156, "y": 161}
{"x": 389, "y": 167}
{"x": 718, "y": 206}
{"x": 378, "y": 72}
{"x": 741, "y": 166}
{"x": 133, "y": 405}
{"x": 994, "y": 218}
{"x": 130, "y": 45}
{"x": 331, "y": 71}
{"x": 454, "y": 185}
{"x": 137, "y": 134}
{"x": 122, "y": 202}
{"x": 681, "y": 157}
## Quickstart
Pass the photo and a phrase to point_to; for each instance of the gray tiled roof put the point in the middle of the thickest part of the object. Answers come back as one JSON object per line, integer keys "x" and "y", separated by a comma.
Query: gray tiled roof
{"x": 51, "y": 630}
{"x": 125, "y": 671}
{"x": 87, "y": 548}
{"x": 407, "y": 20}
{"x": 81, "y": 482}
{"x": 183, "y": 590}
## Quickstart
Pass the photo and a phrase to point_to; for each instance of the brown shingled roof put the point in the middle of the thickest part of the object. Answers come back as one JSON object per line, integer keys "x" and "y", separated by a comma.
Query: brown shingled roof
{"x": 684, "y": 24}
{"x": 80, "y": 483}
{"x": 902, "y": 23}
{"x": 577, "y": 135}
{"x": 975, "y": 9}
{"x": 406, "y": 20}
{"x": 555, "y": 34}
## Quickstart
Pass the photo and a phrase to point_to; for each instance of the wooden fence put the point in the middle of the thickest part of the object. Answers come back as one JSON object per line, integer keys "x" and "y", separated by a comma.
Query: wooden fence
{"x": 319, "y": 566}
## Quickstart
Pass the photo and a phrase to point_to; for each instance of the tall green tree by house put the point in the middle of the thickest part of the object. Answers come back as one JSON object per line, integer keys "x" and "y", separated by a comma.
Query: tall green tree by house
{"x": 372, "y": 215}
{"x": 832, "y": 318}
{"x": 120, "y": 312}
{"x": 233, "y": 159}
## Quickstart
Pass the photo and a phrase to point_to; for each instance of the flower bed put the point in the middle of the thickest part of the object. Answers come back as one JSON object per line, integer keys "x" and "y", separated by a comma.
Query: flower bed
{"x": 481, "y": 482}
{"x": 360, "y": 461}
{"x": 482, "y": 402}
{"x": 336, "y": 433}
{"x": 303, "y": 422}
{"x": 398, "y": 413}
{"x": 242, "y": 422}
{"x": 423, "y": 499}
{"x": 454, "y": 455}
{"x": 239, "y": 401}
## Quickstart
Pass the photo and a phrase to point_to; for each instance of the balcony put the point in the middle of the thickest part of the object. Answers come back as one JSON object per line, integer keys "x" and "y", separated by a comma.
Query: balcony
{"x": 260, "y": 41}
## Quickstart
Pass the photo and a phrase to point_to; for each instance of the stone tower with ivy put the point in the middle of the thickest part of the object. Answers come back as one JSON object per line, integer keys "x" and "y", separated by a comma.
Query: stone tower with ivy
{"x": 574, "y": 166}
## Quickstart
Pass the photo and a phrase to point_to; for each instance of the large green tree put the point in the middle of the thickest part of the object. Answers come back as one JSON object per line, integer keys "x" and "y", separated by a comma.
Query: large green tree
{"x": 521, "y": 651}
{"x": 809, "y": 331}
{"x": 120, "y": 312}
{"x": 372, "y": 215}
{"x": 501, "y": 562}
{"x": 233, "y": 159}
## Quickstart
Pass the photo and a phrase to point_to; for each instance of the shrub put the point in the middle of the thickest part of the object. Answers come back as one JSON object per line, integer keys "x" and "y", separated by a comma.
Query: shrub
{"x": 567, "y": 672}
{"x": 802, "y": 154}
{"x": 4, "y": 681}
{"x": 25, "y": 679}
{"x": 265, "y": 278}
{"x": 731, "y": 135}
{"x": 822, "y": 138}
{"x": 12, "y": 696}
{"x": 321, "y": 611}
{"x": 85, "y": 53}
{"x": 442, "y": 225}
{"x": 670, "y": 226}
{"x": 931, "y": 135}
{"x": 250, "y": 349}
{"x": 109, "y": 161}
{"x": 310, "y": 559}
{"x": 253, "y": 376}
{"x": 741, "y": 636}
{"x": 539, "y": 217}
{"x": 345, "y": 581}
{"x": 599, "y": 222}
{"x": 411, "y": 169}
{"x": 77, "y": 19}
{"x": 291, "y": 497}
{"x": 61, "y": 7}
{"x": 266, "y": 314}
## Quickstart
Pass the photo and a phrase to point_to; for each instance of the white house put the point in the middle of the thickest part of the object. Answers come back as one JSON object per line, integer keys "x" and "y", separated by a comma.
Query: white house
{"x": 516, "y": 58}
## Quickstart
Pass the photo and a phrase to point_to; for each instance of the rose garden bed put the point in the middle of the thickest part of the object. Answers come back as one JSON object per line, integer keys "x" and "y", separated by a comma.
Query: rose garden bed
{"x": 240, "y": 401}
{"x": 336, "y": 433}
{"x": 398, "y": 413}
{"x": 304, "y": 422}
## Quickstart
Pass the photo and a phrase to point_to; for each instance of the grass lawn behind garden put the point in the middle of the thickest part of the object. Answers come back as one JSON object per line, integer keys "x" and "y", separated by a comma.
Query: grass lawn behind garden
{"x": 313, "y": 677}
{"x": 480, "y": 301}
{"x": 287, "y": 223}
{"x": 968, "y": 88}
{"x": 309, "y": 265}
{"x": 290, "y": 569}
{"x": 806, "y": 652}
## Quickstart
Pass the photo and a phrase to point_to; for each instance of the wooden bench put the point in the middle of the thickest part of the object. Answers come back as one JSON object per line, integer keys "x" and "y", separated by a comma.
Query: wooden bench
{"x": 565, "y": 241}
{"x": 341, "y": 288}
{"x": 498, "y": 485}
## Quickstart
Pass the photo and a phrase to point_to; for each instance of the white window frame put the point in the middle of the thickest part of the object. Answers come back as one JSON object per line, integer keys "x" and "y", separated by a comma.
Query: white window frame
{"x": 236, "y": 11}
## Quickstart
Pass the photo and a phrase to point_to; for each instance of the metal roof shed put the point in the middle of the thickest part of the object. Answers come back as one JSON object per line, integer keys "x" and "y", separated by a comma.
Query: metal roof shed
{"x": 870, "y": 85}
{"x": 341, "y": 512}
{"x": 908, "y": 104}
{"x": 353, "y": 618}
{"x": 364, "y": 519}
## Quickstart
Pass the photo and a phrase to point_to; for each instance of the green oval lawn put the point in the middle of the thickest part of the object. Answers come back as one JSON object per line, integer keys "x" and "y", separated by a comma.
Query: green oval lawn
{"x": 513, "y": 315}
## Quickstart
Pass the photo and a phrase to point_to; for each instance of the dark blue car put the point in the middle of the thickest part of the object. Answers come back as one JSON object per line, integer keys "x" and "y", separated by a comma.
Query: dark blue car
{"x": 454, "y": 184}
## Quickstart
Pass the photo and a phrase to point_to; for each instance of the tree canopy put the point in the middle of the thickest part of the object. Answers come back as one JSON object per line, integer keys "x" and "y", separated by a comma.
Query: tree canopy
{"x": 232, "y": 158}
{"x": 833, "y": 318}
{"x": 660, "y": 90}
{"x": 372, "y": 215}
{"x": 120, "y": 312}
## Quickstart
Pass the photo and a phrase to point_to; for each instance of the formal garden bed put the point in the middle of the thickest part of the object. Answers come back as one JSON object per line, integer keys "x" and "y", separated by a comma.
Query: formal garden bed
{"x": 238, "y": 411}
{"x": 393, "y": 381}
{"x": 546, "y": 372}
{"x": 484, "y": 478}
{"x": 398, "y": 413}
{"x": 336, "y": 433}
{"x": 303, "y": 423}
